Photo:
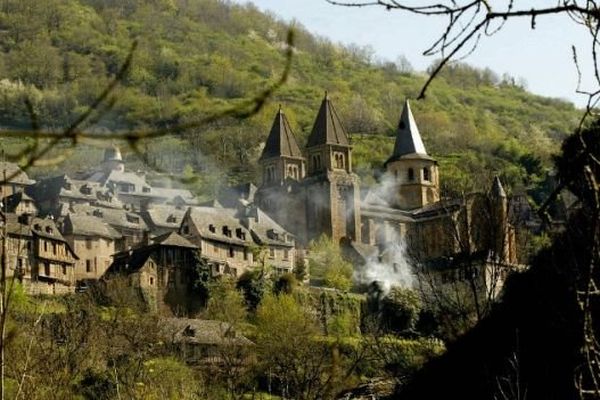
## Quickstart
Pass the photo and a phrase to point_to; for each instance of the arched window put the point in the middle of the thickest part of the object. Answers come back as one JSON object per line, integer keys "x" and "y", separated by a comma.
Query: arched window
{"x": 411, "y": 174}
{"x": 426, "y": 176}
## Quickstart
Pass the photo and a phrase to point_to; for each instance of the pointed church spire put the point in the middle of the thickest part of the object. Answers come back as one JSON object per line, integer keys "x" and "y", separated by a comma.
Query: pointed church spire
{"x": 328, "y": 127}
{"x": 408, "y": 138}
{"x": 281, "y": 140}
{"x": 497, "y": 188}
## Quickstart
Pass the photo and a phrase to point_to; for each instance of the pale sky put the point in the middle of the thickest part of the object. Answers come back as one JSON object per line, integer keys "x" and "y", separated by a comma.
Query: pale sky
{"x": 543, "y": 56}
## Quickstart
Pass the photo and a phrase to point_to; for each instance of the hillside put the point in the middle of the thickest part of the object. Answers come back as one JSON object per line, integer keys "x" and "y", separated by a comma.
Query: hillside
{"x": 195, "y": 55}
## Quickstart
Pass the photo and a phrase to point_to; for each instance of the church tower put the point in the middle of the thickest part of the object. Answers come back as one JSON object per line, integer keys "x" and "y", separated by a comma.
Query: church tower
{"x": 413, "y": 171}
{"x": 113, "y": 161}
{"x": 283, "y": 167}
{"x": 331, "y": 189}
{"x": 281, "y": 158}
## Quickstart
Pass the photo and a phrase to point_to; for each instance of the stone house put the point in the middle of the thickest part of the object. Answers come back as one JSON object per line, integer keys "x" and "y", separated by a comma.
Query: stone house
{"x": 203, "y": 342}
{"x": 165, "y": 271}
{"x": 62, "y": 194}
{"x": 12, "y": 179}
{"x": 132, "y": 188}
{"x": 130, "y": 225}
{"x": 93, "y": 241}
{"x": 163, "y": 218}
{"x": 235, "y": 240}
{"x": 38, "y": 255}
{"x": 19, "y": 203}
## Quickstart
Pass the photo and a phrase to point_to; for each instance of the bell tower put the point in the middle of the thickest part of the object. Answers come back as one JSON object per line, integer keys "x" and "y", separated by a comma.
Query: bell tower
{"x": 282, "y": 169}
{"x": 331, "y": 188}
{"x": 414, "y": 173}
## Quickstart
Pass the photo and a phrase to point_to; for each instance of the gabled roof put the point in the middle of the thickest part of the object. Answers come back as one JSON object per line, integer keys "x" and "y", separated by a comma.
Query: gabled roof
{"x": 88, "y": 225}
{"x": 206, "y": 217}
{"x": 328, "y": 128}
{"x": 173, "y": 239}
{"x": 281, "y": 140}
{"x": 11, "y": 202}
{"x": 14, "y": 173}
{"x": 408, "y": 138}
{"x": 203, "y": 332}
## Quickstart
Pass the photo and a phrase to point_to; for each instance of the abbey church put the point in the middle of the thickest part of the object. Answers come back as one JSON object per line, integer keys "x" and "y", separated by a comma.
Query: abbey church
{"x": 315, "y": 192}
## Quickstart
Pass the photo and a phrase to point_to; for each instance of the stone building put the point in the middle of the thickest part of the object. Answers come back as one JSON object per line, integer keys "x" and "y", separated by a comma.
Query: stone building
{"x": 93, "y": 241}
{"x": 165, "y": 271}
{"x": 12, "y": 179}
{"x": 37, "y": 254}
{"x": 323, "y": 192}
{"x": 234, "y": 240}
{"x": 314, "y": 192}
{"x": 131, "y": 188}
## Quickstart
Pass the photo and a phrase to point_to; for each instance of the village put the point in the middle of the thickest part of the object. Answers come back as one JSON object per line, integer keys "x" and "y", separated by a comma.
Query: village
{"x": 66, "y": 233}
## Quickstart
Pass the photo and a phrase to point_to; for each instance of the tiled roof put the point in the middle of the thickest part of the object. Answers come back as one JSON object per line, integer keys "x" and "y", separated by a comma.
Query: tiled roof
{"x": 203, "y": 332}
{"x": 328, "y": 128}
{"x": 88, "y": 225}
{"x": 281, "y": 140}
{"x": 173, "y": 239}
{"x": 408, "y": 138}
{"x": 11, "y": 169}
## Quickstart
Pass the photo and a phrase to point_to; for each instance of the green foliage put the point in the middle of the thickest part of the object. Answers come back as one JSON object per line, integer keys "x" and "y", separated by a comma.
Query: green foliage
{"x": 327, "y": 264}
{"x": 202, "y": 55}
{"x": 226, "y": 303}
{"x": 285, "y": 284}
{"x": 400, "y": 309}
{"x": 253, "y": 285}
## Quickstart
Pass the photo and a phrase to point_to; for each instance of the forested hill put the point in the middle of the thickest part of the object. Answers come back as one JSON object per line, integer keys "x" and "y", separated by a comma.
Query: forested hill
{"x": 194, "y": 55}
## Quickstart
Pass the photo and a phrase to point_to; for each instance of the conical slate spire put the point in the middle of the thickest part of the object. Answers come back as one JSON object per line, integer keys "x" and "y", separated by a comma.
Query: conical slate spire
{"x": 328, "y": 127}
{"x": 281, "y": 140}
{"x": 408, "y": 138}
{"x": 497, "y": 188}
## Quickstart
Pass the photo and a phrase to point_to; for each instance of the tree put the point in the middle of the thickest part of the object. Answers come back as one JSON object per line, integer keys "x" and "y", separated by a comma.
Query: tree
{"x": 327, "y": 264}
{"x": 290, "y": 352}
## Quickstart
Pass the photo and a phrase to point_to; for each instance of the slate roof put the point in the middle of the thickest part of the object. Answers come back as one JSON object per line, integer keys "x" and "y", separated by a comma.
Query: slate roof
{"x": 204, "y": 217}
{"x": 88, "y": 225}
{"x": 20, "y": 177}
{"x": 203, "y": 332}
{"x": 173, "y": 239}
{"x": 164, "y": 216}
{"x": 66, "y": 187}
{"x": 281, "y": 140}
{"x": 328, "y": 128}
{"x": 13, "y": 225}
{"x": 266, "y": 231}
{"x": 119, "y": 218}
{"x": 408, "y": 138}
{"x": 11, "y": 202}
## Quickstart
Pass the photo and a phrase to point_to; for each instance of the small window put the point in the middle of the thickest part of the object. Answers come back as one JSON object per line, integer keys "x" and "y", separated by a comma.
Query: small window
{"x": 88, "y": 265}
{"x": 54, "y": 248}
{"x": 64, "y": 269}
{"x": 47, "y": 268}
{"x": 411, "y": 174}
{"x": 426, "y": 176}
{"x": 286, "y": 254}
{"x": 151, "y": 281}
{"x": 272, "y": 252}
{"x": 146, "y": 189}
{"x": 245, "y": 254}
{"x": 231, "y": 252}
{"x": 186, "y": 230}
{"x": 88, "y": 243}
{"x": 212, "y": 228}
{"x": 45, "y": 246}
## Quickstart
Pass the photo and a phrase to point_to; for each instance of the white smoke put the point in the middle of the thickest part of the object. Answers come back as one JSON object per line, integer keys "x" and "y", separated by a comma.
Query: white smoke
{"x": 390, "y": 266}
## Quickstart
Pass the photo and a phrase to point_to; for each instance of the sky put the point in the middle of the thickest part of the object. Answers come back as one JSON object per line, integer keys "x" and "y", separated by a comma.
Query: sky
{"x": 543, "y": 57}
